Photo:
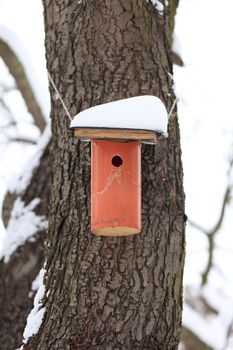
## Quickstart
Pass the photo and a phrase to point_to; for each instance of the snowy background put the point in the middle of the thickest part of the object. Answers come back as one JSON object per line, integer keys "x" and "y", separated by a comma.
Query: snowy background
{"x": 203, "y": 37}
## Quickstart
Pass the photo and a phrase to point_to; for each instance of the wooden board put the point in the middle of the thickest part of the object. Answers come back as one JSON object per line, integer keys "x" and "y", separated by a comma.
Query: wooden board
{"x": 115, "y": 231}
{"x": 146, "y": 136}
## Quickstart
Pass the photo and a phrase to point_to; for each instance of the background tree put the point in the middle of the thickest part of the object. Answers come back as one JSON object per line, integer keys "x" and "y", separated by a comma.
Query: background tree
{"x": 23, "y": 266}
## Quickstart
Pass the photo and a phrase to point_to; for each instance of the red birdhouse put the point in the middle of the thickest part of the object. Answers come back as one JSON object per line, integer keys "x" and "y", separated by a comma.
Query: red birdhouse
{"x": 116, "y": 131}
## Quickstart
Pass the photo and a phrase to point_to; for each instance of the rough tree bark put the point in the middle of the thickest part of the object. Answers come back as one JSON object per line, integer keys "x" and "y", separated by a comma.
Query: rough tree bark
{"x": 125, "y": 292}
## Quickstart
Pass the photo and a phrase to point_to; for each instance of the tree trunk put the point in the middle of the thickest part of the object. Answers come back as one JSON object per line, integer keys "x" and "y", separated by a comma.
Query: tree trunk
{"x": 122, "y": 292}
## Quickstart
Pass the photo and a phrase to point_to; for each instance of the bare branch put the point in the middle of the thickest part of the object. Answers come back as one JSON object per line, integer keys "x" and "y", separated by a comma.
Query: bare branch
{"x": 229, "y": 334}
{"x": 22, "y": 139}
{"x": 212, "y": 233}
{"x": 226, "y": 199}
{"x": 197, "y": 226}
{"x": 18, "y": 72}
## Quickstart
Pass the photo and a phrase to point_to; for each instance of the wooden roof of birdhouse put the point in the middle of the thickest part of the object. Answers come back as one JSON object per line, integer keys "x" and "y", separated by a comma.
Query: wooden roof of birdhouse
{"x": 136, "y": 118}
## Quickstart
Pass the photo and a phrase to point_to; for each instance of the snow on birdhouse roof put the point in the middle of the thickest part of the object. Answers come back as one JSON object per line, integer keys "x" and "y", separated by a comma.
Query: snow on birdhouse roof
{"x": 141, "y": 112}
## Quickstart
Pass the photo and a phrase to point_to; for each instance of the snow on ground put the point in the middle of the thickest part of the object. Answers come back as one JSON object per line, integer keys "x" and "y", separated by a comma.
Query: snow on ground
{"x": 35, "y": 317}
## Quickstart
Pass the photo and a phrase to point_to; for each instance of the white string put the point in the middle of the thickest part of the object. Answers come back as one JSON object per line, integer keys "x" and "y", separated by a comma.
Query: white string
{"x": 173, "y": 106}
{"x": 67, "y": 112}
{"x": 59, "y": 96}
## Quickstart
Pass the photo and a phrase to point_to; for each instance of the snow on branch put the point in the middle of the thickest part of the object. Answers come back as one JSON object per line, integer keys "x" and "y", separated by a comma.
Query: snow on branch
{"x": 23, "y": 225}
{"x": 158, "y": 5}
{"x": 20, "y": 183}
{"x": 35, "y": 317}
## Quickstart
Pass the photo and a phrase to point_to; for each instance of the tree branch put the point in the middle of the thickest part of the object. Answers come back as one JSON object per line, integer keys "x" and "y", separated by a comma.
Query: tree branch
{"x": 173, "y": 5}
{"x": 18, "y": 72}
{"x": 212, "y": 233}
{"x": 22, "y": 139}
{"x": 192, "y": 341}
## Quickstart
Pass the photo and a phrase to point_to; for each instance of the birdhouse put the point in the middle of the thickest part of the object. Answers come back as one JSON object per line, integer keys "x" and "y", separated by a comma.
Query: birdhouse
{"x": 116, "y": 131}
